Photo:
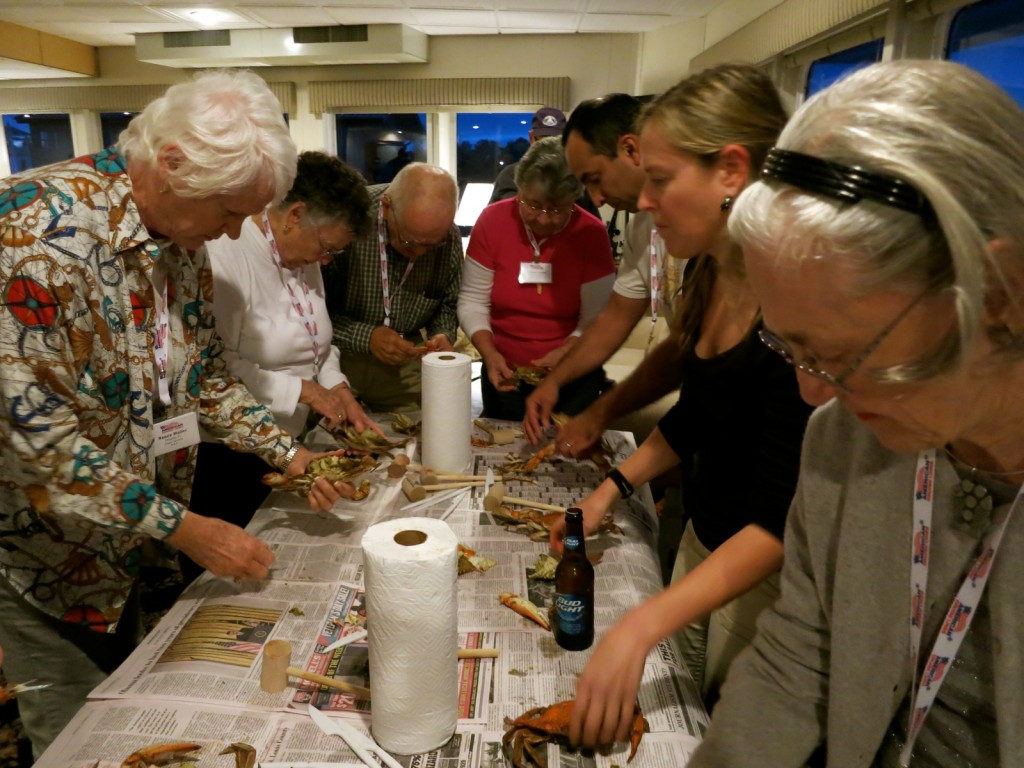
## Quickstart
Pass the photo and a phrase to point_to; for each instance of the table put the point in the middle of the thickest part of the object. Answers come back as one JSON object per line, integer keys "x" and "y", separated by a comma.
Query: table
{"x": 196, "y": 676}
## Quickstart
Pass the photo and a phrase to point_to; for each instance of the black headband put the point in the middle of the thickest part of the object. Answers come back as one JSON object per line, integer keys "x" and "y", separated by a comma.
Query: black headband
{"x": 849, "y": 183}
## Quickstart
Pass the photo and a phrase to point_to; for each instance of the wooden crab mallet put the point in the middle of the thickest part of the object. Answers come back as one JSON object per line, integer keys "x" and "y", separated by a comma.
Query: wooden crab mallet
{"x": 496, "y": 497}
{"x": 497, "y": 436}
{"x": 277, "y": 659}
{"x": 415, "y": 492}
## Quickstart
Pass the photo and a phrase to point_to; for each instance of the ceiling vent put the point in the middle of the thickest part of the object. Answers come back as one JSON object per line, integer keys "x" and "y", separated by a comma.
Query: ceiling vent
{"x": 350, "y": 44}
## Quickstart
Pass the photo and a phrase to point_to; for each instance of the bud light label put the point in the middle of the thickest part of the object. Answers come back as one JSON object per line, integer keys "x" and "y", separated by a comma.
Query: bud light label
{"x": 571, "y": 614}
{"x": 571, "y": 542}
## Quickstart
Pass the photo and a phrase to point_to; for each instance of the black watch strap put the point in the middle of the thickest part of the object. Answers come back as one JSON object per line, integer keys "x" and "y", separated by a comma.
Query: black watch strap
{"x": 625, "y": 487}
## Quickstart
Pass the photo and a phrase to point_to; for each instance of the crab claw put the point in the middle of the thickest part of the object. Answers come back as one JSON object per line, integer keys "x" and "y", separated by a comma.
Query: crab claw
{"x": 245, "y": 754}
{"x": 524, "y": 607}
{"x": 640, "y": 727}
{"x": 161, "y": 754}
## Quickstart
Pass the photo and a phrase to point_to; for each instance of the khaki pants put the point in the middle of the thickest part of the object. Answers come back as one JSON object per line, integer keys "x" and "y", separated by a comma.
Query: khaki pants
{"x": 709, "y": 645}
{"x": 383, "y": 387}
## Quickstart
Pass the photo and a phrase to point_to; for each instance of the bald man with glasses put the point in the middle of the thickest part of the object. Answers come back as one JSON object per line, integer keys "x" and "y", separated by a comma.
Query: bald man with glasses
{"x": 392, "y": 294}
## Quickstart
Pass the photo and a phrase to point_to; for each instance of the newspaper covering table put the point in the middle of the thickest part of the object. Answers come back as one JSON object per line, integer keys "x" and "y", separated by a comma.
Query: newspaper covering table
{"x": 195, "y": 677}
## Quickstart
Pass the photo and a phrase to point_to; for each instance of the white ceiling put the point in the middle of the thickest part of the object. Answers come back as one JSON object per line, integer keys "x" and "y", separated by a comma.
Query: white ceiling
{"x": 109, "y": 22}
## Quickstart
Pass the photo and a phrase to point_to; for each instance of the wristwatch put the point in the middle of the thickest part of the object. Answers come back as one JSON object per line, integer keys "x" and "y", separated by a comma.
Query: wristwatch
{"x": 290, "y": 455}
{"x": 625, "y": 487}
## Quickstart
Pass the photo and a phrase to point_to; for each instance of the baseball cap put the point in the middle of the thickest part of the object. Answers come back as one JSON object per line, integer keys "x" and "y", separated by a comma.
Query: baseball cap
{"x": 548, "y": 121}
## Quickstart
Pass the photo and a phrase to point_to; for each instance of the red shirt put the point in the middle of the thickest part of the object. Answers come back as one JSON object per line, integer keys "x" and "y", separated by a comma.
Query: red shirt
{"x": 526, "y": 324}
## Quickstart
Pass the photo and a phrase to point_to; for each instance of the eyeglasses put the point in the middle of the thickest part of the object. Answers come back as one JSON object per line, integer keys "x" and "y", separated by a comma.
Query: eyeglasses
{"x": 412, "y": 245}
{"x": 552, "y": 213}
{"x": 326, "y": 252}
{"x": 809, "y": 365}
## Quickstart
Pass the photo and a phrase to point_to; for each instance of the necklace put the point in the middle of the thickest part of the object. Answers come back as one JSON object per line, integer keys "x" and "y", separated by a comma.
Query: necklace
{"x": 973, "y": 499}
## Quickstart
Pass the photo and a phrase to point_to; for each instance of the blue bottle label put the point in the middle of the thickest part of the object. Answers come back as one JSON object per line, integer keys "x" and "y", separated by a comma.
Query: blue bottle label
{"x": 571, "y": 542}
{"x": 571, "y": 612}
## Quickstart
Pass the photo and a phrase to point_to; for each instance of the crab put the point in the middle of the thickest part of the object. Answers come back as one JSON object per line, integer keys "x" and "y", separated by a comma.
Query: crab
{"x": 530, "y": 374}
{"x": 332, "y": 468}
{"x": 172, "y": 753}
{"x": 367, "y": 441}
{"x": 524, "y": 741}
{"x": 537, "y": 524}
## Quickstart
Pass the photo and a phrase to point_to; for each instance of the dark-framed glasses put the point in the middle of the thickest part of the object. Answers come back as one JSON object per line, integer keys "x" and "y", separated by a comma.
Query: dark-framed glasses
{"x": 809, "y": 365}
{"x": 552, "y": 213}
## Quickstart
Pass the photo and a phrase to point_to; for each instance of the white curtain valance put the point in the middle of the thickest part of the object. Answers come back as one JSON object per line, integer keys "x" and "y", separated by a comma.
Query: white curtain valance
{"x": 330, "y": 96}
{"x": 106, "y": 98}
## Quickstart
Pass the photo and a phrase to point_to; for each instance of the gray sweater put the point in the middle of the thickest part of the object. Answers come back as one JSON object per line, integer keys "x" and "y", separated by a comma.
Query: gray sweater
{"x": 830, "y": 661}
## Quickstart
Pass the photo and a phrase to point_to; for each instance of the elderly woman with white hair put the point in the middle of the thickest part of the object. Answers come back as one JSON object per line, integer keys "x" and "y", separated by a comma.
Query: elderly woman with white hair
{"x": 110, "y": 363}
{"x": 886, "y": 245}
{"x": 538, "y": 271}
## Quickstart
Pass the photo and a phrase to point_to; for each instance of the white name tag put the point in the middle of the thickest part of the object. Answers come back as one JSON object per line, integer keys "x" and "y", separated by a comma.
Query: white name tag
{"x": 532, "y": 273}
{"x": 178, "y": 432}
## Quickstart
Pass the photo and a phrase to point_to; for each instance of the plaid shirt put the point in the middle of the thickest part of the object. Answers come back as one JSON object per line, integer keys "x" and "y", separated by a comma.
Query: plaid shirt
{"x": 80, "y": 486}
{"x": 428, "y": 299}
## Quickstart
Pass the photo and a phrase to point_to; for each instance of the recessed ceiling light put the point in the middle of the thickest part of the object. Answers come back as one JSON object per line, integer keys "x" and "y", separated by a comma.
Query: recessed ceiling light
{"x": 206, "y": 17}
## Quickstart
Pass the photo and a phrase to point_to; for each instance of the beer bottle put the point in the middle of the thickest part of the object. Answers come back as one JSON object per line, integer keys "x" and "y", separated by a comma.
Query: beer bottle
{"x": 574, "y": 588}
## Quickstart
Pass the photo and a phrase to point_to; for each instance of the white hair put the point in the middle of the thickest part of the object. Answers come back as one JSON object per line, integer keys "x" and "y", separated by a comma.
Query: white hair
{"x": 226, "y": 131}
{"x": 955, "y": 137}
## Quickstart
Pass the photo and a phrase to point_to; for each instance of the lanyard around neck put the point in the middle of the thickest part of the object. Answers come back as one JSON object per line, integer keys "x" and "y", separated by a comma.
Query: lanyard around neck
{"x": 960, "y": 614}
{"x": 655, "y": 283}
{"x": 306, "y": 314}
{"x": 161, "y": 338}
{"x": 385, "y": 286}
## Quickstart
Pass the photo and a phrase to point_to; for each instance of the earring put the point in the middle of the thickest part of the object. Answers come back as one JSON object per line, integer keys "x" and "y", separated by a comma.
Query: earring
{"x": 287, "y": 228}
{"x": 727, "y": 203}
{"x": 164, "y": 188}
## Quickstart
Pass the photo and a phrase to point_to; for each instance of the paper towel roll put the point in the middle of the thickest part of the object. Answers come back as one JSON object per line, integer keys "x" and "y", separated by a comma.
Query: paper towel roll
{"x": 411, "y": 604}
{"x": 446, "y": 403}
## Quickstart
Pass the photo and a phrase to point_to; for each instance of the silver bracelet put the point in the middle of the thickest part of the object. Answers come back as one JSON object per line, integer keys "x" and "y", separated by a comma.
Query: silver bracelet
{"x": 290, "y": 455}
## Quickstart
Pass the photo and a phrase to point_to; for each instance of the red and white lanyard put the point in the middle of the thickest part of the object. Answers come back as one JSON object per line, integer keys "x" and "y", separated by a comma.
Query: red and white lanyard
{"x": 385, "y": 286}
{"x": 306, "y": 314}
{"x": 655, "y": 283}
{"x": 960, "y": 614}
{"x": 160, "y": 330}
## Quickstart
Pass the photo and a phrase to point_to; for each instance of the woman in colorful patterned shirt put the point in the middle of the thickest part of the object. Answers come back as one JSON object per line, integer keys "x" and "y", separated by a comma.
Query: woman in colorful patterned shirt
{"x": 110, "y": 363}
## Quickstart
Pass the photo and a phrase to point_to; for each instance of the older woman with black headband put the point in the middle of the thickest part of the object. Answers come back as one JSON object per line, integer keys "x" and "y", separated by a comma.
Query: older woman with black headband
{"x": 886, "y": 244}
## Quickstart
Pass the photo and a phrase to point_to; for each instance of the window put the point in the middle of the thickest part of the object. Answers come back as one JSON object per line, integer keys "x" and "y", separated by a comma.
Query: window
{"x": 829, "y": 69}
{"x": 379, "y": 145}
{"x": 488, "y": 142}
{"x": 36, "y": 140}
{"x": 112, "y": 123}
{"x": 989, "y": 38}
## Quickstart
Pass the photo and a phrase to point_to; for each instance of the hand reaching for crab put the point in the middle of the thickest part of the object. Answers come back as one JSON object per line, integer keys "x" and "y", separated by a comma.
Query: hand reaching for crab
{"x": 349, "y": 411}
{"x": 606, "y": 691}
{"x": 499, "y": 373}
{"x": 221, "y": 547}
{"x": 552, "y": 358}
{"x": 322, "y": 494}
{"x": 439, "y": 343}
{"x": 390, "y": 347}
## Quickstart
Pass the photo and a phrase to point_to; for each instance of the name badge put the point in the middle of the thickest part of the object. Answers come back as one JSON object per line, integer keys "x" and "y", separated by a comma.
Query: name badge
{"x": 174, "y": 433}
{"x": 533, "y": 273}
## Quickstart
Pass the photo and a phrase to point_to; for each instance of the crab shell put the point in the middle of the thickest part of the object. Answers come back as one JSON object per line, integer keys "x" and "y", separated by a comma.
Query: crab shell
{"x": 522, "y": 742}
{"x": 524, "y": 607}
{"x": 161, "y": 754}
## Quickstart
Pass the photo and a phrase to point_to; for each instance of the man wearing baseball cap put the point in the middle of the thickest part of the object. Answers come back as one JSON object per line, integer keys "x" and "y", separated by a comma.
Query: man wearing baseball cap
{"x": 547, "y": 121}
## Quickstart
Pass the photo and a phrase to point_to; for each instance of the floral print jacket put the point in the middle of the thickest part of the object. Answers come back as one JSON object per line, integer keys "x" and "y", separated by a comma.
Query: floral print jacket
{"x": 80, "y": 485}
